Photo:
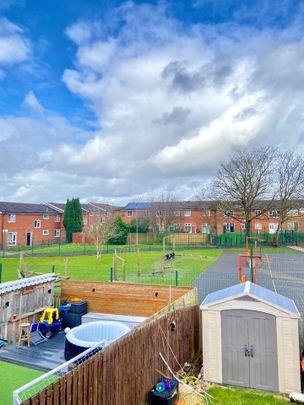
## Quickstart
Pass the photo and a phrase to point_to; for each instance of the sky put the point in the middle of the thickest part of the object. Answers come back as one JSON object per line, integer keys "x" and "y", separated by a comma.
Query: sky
{"x": 117, "y": 101}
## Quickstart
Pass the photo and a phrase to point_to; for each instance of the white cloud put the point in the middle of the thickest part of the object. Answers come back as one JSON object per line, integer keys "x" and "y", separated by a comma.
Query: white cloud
{"x": 32, "y": 102}
{"x": 170, "y": 102}
{"x": 14, "y": 46}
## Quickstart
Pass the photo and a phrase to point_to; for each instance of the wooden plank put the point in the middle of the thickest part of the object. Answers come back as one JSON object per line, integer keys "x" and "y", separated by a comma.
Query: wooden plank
{"x": 75, "y": 383}
{"x": 49, "y": 395}
{"x": 80, "y": 384}
{"x": 69, "y": 393}
{"x": 56, "y": 398}
{"x": 62, "y": 390}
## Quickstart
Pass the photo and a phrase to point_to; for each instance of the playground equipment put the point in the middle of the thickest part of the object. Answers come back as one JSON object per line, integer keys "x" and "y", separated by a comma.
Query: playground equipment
{"x": 172, "y": 237}
{"x": 251, "y": 257}
{"x": 50, "y": 322}
{"x": 118, "y": 259}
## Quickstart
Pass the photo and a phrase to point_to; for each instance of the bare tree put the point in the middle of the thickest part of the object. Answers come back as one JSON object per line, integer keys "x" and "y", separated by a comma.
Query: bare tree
{"x": 208, "y": 204}
{"x": 290, "y": 186}
{"x": 245, "y": 178}
{"x": 162, "y": 211}
{"x": 100, "y": 229}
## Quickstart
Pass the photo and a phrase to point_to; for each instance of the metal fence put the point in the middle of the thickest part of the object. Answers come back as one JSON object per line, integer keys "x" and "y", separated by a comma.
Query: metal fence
{"x": 265, "y": 239}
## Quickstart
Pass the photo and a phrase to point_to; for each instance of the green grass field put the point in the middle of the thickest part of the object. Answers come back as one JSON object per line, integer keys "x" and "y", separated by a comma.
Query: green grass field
{"x": 13, "y": 377}
{"x": 240, "y": 396}
{"x": 189, "y": 265}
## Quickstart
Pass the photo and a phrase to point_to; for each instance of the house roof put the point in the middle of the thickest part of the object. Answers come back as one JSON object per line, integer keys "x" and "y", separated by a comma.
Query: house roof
{"x": 254, "y": 291}
{"x": 60, "y": 206}
{"x": 25, "y": 208}
{"x": 137, "y": 206}
{"x": 26, "y": 282}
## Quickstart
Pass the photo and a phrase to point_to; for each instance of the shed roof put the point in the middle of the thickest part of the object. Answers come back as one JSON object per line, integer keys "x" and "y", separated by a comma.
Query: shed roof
{"x": 254, "y": 291}
{"x": 26, "y": 282}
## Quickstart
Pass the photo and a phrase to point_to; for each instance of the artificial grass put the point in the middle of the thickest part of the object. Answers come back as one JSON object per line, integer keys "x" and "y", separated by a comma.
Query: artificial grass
{"x": 189, "y": 264}
{"x": 13, "y": 377}
{"x": 242, "y": 396}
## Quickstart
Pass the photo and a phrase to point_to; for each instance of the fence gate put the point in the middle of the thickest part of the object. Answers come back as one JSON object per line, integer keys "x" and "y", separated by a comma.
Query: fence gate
{"x": 249, "y": 349}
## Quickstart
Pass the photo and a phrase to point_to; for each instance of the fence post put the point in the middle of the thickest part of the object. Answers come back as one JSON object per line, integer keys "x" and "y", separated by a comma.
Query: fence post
{"x": 251, "y": 262}
{"x": 53, "y": 268}
{"x": 59, "y": 247}
{"x": 32, "y": 248}
{"x": 0, "y": 273}
{"x": 176, "y": 278}
{"x": 111, "y": 274}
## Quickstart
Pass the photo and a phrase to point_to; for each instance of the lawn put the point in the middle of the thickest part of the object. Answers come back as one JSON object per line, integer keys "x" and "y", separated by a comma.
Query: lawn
{"x": 241, "y": 396}
{"x": 13, "y": 377}
{"x": 189, "y": 264}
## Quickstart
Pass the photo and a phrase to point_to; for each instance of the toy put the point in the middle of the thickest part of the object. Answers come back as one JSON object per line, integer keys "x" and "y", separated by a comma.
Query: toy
{"x": 50, "y": 322}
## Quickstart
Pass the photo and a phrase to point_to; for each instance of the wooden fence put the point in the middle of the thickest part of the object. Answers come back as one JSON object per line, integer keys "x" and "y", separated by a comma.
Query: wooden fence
{"x": 180, "y": 238}
{"x": 124, "y": 372}
{"x": 125, "y": 298}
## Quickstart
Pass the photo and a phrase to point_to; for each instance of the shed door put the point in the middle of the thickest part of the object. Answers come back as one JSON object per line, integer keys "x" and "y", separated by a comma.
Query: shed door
{"x": 249, "y": 349}
{"x": 263, "y": 361}
{"x": 234, "y": 339}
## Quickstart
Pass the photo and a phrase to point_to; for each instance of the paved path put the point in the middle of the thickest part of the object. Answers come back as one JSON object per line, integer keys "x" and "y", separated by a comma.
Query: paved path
{"x": 224, "y": 273}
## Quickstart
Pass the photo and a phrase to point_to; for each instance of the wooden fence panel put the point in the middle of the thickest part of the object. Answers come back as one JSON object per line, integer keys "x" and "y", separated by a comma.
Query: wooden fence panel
{"x": 124, "y": 372}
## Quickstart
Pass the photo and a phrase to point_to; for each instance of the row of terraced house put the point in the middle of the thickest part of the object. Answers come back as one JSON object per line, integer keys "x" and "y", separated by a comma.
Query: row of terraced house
{"x": 26, "y": 224}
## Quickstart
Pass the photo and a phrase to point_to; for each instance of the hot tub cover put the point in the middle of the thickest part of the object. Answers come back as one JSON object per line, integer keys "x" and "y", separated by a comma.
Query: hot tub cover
{"x": 90, "y": 334}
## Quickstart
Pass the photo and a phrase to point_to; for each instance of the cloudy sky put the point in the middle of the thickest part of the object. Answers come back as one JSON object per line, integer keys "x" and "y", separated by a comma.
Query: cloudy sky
{"x": 115, "y": 101}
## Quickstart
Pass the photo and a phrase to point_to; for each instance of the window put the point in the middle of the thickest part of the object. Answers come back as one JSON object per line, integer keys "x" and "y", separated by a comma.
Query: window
{"x": 206, "y": 213}
{"x": 187, "y": 212}
{"x": 228, "y": 213}
{"x": 177, "y": 213}
{"x": 37, "y": 223}
{"x": 46, "y": 216}
{"x": 57, "y": 218}
{"x": 130, "y": 213}
{"x": 85, "y": 221}
{"x": 293, "y": 226}
{"x": 57, "y": 233}
{"x": 11, "y": 238}
{"x": 243, "y": 226}
{"x": 273, "y": 213}
{"x": 273, "y": 228}
{"x": 206, "y": 228}
{"x": 228, "y": 228}
{"x": 11, "y": 217}
{"x": 45, "y": 232}
{"x": 293, "y": 213}
{"x": 159, "y": 213}
{"x": 187, "y": 228}
{"x": 258, "y": 226}
{"x": 160, "y": 227}
{"x": 174, "y": 228}
{"x": 258, "y": 212}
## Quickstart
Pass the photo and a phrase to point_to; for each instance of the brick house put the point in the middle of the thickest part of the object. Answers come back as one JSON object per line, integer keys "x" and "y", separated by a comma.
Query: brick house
{"x": 27, "y": 224}
{"x": 205, "y": 217}
{"x": 91, "y": 213}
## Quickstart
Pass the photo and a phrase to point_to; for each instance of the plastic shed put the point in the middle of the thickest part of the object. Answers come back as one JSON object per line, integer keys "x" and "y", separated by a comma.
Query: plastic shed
{"x": 251, "y": 339}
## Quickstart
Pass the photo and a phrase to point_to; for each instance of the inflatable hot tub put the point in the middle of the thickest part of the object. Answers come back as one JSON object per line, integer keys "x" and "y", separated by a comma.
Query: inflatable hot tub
{"x": 90, "y": 334}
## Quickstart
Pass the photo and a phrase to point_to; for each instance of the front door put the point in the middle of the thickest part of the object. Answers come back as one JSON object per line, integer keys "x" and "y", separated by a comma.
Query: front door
{"x": 29, "y": 239}
{"x": 249, "y": 349}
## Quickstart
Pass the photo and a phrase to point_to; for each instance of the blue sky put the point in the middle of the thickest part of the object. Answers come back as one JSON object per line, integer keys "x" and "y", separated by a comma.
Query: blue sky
{"x": 114, "y": 101}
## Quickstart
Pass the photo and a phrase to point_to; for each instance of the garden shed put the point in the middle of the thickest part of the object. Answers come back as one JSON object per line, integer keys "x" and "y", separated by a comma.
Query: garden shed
{"x": 23, "y": 301}
{"x": 251, "y": 338}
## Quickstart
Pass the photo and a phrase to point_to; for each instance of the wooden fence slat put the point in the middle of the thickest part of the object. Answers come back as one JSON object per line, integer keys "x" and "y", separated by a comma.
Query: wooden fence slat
{"x": 56, "y": 390}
